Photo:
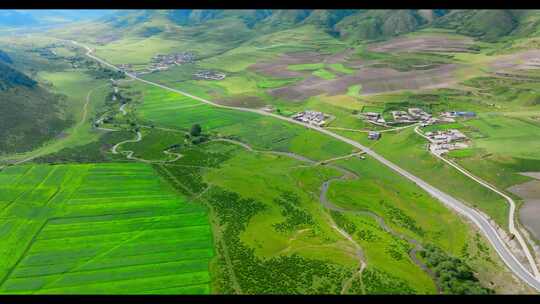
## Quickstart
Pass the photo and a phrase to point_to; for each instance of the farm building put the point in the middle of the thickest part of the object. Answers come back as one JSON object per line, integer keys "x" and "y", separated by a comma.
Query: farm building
{"x": 209, "y": 75}
{"x": 374, "y": 135}
{"x": 311, "y": 117}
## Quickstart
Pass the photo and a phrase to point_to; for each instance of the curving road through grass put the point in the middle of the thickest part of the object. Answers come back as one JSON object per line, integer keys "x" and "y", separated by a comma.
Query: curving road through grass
{"x": 480, "y": 220}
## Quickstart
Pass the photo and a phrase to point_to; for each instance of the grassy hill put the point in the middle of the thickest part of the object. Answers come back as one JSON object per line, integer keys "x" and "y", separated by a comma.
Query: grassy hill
{"x": 29, "y": 114}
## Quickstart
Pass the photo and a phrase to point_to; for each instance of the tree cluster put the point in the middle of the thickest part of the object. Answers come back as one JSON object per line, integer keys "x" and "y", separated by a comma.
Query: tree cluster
{"x": 454, "y": 275}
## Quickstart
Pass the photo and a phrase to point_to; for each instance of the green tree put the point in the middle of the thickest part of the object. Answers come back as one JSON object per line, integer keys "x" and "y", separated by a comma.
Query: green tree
{"x": 196, "y": 130}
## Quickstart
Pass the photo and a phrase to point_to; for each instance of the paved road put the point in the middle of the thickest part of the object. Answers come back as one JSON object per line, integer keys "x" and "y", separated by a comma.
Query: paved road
{"x": 511, "y": 221}
{"x": 478, "y": 219}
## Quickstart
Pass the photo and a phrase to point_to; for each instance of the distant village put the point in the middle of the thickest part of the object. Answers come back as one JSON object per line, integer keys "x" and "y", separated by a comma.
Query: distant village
{"x": 209, "y": 75}
{"x": 415, "y": 115}
{"x": 441, "y": 141}
{"x": 163, "y": 62}
{"x": 311, "y": 117}
{"x": 444, "y": 141}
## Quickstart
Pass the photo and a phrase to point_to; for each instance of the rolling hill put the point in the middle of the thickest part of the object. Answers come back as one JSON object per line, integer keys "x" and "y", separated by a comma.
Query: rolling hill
{"x": 23, "y": 100}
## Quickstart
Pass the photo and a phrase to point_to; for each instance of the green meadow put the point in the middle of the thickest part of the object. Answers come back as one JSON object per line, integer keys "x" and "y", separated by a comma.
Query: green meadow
{"x": 176, "y": 111}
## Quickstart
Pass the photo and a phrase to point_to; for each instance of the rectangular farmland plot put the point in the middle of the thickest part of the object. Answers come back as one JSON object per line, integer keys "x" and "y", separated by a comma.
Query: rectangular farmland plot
{"x": 141, "y": 224}
{"x": 181, "y": 290}
{"x": 122, "y": 199}
{"x": 78, "y": 278}
{"x": 137, "y": 286}
{"x": 119, "y": 226}
{"x": 113, "y": 246}
{"x": 167, "y": 210}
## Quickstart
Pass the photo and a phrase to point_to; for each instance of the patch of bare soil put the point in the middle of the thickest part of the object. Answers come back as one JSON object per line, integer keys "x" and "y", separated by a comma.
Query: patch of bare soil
{"x": 107, "y": 38}
{"x": 339, "y": 57}
{"x": 373, "y": 80}
{"x": 61, "y": 135}
{"x": 529, "y": 213}
{"x": 525, "y": 60}
{"x": 278, "y": 67}
{"x": 423, "y": 44}
{"x": 244, "y": 101}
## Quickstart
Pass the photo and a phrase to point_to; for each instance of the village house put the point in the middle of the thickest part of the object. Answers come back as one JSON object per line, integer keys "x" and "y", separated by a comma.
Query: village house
{"x": 373, "y": 135}
{"x": 402, "y": 117}
{"x": 453, "y": 114}
{"x": 374, "y": 117}
{"x": 311, "y": 117}
{"x": 209, "y": 75}
{"x": 444, "y": 141}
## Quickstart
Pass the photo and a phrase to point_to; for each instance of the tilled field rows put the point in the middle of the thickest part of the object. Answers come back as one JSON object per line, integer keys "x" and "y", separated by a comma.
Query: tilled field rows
{"x": 107, "y": 228}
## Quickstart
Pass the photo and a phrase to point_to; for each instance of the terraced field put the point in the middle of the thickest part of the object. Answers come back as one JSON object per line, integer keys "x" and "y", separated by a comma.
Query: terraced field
{"x": 93, "y": 229}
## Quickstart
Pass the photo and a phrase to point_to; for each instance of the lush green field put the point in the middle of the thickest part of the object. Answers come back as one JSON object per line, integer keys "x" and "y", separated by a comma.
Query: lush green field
{"x": 408, "y": 150}
{"x": 507, "y": 136}
{"x": 109, "y": 228}
{"x": 280, "y": 231}
{"x": 177, "y": 111}
{"x": 339, "y": 67}
{"x": 354, "y": 91}
{"x": 126, "y": 230}
{"x": 324, "y": 74}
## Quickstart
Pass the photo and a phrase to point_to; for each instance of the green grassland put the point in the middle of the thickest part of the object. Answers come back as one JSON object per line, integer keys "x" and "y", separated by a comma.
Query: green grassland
{"x": 110, "y": 228}
{"x": 311, "y": 238}
{"x": 408, "y": 150}
{"x": 354, "y": 91}
{"x": 339, "y": 67}
{"x": 267, "y": 226}
{"x": 175, "y": 111}
{"x": 247, "y": 171}
{"x": 324, "y": 74}
{"x": 480, "y": 197}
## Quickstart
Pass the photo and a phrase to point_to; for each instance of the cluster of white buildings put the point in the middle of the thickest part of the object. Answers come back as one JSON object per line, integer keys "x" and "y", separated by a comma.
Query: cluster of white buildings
{"x": 444, "y": 141}
{"x": 126, "y": 67}
{"x": 416, "y": 115}
{"x": 162, "y": 62}
{"x": 209, "y": 75}
{"x": 311, "y": 117}
{"x": 413, "y": 115}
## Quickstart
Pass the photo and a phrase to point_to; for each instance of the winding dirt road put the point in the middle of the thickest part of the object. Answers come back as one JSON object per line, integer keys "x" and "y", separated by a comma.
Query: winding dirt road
{"x": 129, "y": 153}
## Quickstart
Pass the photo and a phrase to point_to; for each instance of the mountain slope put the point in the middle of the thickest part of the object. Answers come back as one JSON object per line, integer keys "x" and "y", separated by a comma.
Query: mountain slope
{"x": 487, "y": 25}
{"x": 380, "y": 24}
{"x": 29, "y": 114}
